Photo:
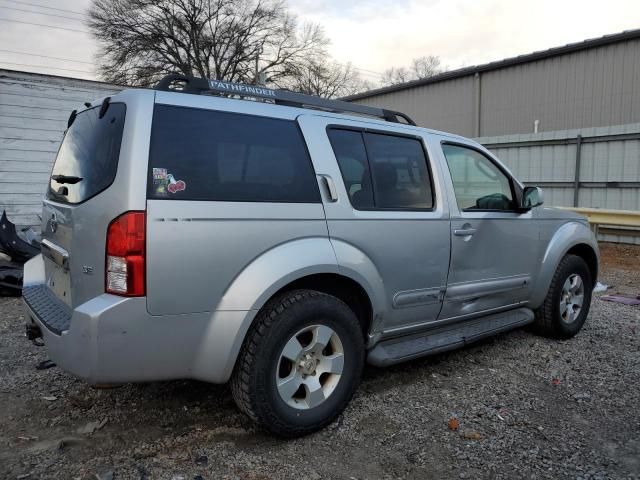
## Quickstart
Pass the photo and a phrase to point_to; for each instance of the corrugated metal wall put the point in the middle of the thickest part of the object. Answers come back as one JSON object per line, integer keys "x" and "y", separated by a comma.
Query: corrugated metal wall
{"x": 596, "y": 87}
{"x": 447, "y": 106}
{"x": 589, "y": 88}
{"x": 609, "y": 171}
{"x": 33, "y": 116}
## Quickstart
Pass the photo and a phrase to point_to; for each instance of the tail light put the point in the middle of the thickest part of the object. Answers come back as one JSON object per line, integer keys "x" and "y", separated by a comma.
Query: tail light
{"x": 125, "y": 269}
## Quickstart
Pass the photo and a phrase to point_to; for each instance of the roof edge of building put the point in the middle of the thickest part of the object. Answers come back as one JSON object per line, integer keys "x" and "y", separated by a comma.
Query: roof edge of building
{"x": 498, "y": 64}
{"x": 7, "y": 71}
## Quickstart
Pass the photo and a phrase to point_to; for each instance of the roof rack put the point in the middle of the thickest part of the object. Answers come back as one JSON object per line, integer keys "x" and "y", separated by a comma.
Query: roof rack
{"x": 198, "y": 86}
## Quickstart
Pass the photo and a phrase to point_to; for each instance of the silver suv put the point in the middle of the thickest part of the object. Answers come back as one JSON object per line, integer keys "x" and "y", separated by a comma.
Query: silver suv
{"x": 220, "y": 231}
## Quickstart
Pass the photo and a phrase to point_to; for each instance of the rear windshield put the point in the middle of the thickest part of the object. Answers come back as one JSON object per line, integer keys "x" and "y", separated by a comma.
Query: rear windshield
{"x": 88, "y": 157}
{"x": 209, "y": 155}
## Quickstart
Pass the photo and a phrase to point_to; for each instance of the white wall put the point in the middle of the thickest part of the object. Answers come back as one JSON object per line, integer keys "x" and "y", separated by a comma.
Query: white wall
{"x": 34, "y": 110}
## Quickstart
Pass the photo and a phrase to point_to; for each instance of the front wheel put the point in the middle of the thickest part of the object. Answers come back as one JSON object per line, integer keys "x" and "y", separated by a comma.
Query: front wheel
{"x": 566, "y": 306}
{"x": 300, "y": 363}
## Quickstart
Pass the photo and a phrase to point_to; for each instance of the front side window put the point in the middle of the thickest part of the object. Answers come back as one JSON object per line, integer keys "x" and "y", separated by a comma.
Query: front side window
{"x": 210, "y": 155}
{"x": 478, "y": 183}
{"x": 380, "y": 171}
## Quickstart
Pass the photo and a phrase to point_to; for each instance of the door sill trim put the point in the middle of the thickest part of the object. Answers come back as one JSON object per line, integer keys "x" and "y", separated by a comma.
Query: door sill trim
{"x": 431, "y": 324}
{"x": 446, "y": 338}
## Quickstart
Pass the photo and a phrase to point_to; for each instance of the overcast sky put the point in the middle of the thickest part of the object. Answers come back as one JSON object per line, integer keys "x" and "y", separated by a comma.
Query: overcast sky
{"x": 373, "y": 35}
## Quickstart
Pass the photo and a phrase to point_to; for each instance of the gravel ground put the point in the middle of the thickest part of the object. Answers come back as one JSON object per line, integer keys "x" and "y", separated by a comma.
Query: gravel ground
{"x": 526, "y": 407}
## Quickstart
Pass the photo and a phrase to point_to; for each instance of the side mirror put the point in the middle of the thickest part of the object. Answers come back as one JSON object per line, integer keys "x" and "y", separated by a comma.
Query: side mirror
{"x": 532, "y": 197}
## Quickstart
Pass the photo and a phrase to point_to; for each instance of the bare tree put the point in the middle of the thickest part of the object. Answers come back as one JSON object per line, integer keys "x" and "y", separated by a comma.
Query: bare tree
{"x": 142, "y": 40}
{"x": 324, "y": 78}
{"x": 421, "y": 67}
{"x": 394, "y": 75}
{"x": 424, "y": 67}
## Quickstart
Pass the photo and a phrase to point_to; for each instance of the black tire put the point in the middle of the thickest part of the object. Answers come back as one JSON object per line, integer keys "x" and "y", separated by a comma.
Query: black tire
{"x": 549, "y": 321}
{"x": 253, "y": 383}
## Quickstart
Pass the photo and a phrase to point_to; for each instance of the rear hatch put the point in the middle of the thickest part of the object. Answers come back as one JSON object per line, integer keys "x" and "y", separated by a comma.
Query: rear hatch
{"x": 76, "y": 211}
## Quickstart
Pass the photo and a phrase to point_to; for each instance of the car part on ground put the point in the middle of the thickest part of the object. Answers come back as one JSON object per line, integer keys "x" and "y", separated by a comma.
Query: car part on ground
{"x": 15, "y": 251}
{"x": 600, "y": 287}
{"x": 30, "y": 236}
{"x": 10, "y": 279}
{"x": 45, "y": 365}
{"x": 624, "y": 299}
{"x": 10, "y": 242}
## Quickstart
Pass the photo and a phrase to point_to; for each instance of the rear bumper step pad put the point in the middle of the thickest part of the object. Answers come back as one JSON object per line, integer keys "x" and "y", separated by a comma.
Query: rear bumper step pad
{"x": 54, "y": 314}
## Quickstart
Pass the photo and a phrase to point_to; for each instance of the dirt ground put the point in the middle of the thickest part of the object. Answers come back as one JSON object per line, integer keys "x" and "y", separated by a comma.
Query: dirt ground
{"x": 620, "y": 256}
{"x": 527, "y": 407}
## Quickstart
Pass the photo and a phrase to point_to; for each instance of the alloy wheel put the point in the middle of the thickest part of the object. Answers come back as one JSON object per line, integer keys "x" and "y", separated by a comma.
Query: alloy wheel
{"x": 310, "y": 367}
{"x": 571, "y": 298}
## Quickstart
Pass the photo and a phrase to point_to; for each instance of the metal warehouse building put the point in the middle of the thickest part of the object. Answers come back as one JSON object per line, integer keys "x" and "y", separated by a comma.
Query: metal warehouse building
{"x": 566, "y": 119}
{"x": 594, "y": 83}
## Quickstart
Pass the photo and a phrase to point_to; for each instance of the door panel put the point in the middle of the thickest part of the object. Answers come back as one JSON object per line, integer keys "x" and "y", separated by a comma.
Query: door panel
{"x": 494, "y": 249}
{"x": 492, "y": 267}
{"x": 196, "y": 249}
{"x": 411, "y": 256}
{"x": 409, "y": 248}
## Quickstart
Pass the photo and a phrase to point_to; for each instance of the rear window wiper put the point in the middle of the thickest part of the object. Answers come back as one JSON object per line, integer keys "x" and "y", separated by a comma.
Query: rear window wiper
{"x": 66, "y": 179}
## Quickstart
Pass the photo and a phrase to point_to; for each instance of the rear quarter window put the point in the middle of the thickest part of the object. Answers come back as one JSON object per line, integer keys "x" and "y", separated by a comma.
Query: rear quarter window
{"x": 219, "y": 156}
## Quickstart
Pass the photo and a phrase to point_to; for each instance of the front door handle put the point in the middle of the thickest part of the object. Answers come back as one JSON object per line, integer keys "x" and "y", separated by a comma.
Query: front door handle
{"x": 464, "y": 232}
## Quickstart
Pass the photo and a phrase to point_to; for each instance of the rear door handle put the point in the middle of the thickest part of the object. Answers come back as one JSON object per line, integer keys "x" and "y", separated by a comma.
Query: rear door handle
{"x": 464, "y": 232}
{"x": 331, "y": 187}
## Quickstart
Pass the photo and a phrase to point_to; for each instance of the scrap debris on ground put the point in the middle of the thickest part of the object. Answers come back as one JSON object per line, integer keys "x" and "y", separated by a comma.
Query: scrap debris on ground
{"x": 16, "y": 247}
{"x": 514, "y": 406}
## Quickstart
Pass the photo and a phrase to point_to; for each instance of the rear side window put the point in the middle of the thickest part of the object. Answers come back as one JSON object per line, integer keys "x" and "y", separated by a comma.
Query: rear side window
{"x": 349, "y": 149}
{"x": 87, "y": 160}
{"x": 381, "y": 171}
{"x": 400, "y": 174}
{"x": 210, "y": 155}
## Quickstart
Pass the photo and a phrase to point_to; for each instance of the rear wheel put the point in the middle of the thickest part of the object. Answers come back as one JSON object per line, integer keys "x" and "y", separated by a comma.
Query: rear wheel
{"x": 566, "y": 306}
{"x": 300, "y": 364}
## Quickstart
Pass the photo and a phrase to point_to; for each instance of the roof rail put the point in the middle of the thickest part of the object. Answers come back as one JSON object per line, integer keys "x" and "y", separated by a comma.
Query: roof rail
{"x": 194, "y": 85}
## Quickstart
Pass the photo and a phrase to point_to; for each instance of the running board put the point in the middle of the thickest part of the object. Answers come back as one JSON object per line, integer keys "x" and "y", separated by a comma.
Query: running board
{"x": 441, "y": 339}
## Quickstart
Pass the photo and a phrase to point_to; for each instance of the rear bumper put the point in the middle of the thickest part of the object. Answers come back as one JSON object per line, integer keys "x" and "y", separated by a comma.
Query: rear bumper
{"x": 112, "y": 339}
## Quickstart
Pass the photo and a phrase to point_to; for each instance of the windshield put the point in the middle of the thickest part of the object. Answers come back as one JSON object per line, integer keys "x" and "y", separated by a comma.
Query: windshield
{"x": 88, "y": 157}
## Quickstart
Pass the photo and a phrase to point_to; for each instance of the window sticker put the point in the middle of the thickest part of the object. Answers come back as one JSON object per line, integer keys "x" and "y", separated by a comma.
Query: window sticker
{"x": 164, "y": 182}
{"x": 160, "y": 181}
{"x": 175, "y": 185}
